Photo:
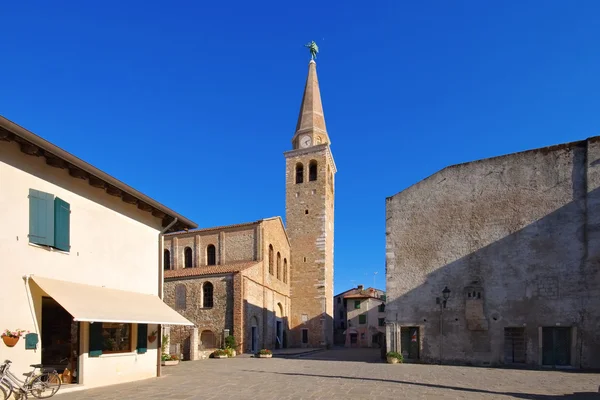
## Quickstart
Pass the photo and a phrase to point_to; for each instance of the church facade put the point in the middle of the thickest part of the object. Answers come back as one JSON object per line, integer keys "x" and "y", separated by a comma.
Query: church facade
{"x": 268, "y": 285}
{"x": 497, "y": 261}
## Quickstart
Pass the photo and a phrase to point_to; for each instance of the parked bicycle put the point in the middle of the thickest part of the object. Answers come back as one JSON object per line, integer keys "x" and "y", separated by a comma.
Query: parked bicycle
{"x": 41, "y": 385}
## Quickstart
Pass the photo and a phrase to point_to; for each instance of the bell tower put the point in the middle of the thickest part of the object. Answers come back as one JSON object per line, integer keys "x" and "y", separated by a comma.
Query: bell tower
{"x": 310, "y": 191}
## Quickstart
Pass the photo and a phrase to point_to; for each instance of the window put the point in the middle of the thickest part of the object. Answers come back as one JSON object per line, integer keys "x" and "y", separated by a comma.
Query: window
{"x": 278, "y": 265}
{"x": 208, "y": 340}
{"x": 211, "y": 255}
{"x": 356, "y": 304}
{"x": 167, "y": 260}
{"x": 109, "y": 338}
{"x": 381, "y": 321}
{"x": 341, "y": 314}
{"x": 339, "y": 300}
{"x": 382, "y": 307}
{"x": 299, "y": 173}
{"x": 187, "y": 255}
{"x": 180, "y": 297}
{"x": 49, "y": 220}
{"x": 382, "y": 297}
{"x": 362, "y": 319}
{"x": 285, "y": 271}
{"x": 304, "y": 336}
{"x": 312, "y": 171}
{"x": 207, "y": 295}
{"x": 271, "y": 259}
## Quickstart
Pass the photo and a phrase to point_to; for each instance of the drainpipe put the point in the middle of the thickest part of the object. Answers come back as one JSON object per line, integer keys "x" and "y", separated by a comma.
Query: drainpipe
{"x": 161, "y": 272}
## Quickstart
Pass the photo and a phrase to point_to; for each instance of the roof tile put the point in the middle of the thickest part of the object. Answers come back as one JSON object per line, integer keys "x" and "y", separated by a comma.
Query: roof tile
{"x": 210, "y": 270}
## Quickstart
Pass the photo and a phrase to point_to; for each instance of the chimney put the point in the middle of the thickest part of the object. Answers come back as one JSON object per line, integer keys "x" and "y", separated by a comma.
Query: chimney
{"x": 360, "y": 287}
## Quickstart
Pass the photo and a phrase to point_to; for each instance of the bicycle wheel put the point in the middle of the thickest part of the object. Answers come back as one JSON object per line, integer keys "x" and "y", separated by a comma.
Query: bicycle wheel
{"x": 45, "y": 385}
{"x": 6, "y": 389}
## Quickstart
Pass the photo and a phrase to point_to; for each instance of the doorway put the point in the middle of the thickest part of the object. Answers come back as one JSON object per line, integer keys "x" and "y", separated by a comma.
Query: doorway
{"x": 60, "y": 340}
{"x": 556, "y": 346}
{"x": 409, "y": 342}
{"x": 254, "y": 339}
{"x": 514, "y": 346}
{"x": 279, "y": 334}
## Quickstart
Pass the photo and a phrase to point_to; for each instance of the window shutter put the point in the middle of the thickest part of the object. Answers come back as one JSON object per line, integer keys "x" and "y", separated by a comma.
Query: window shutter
{"x": 62, "y": 224}
{"x": 96, "y": 339}
{"x": 41, "y": 217}
{"x": 142, "y": 338}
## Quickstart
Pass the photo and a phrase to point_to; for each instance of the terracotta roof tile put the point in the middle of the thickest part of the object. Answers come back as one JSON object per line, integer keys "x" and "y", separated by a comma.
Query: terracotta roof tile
{"x": 210, "y": 270}
{"x": 213, "y": 228}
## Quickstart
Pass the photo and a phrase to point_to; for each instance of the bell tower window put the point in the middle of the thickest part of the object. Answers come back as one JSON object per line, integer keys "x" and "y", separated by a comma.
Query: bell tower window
{"x": 299, "y": 173}
{"x": 312, "y": 171}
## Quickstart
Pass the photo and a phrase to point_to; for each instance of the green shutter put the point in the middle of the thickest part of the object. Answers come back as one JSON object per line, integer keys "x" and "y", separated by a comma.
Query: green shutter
{"x": 362, "y": 319}
{"x": 41, "y": 217}
{"x": 356, "y": 304}
{"x": 62, "y": 223}
{"x": 142, "y": 338}
{"x": 96, "y": 339}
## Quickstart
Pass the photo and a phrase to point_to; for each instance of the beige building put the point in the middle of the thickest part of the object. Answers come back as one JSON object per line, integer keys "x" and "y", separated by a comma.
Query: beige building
{"x": 230, "y": 280}
{"x": 81, "y": 265}
{"x": 343, "y": 305}
{"x": 515, "y": 240}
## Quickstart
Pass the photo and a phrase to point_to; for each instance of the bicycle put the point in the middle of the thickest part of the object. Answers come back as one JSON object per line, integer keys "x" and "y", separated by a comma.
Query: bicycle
{"x": 41, "y": 386}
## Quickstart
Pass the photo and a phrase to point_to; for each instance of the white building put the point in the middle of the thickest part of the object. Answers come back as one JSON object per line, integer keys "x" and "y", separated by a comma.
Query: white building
{"x": 81, "y": 265}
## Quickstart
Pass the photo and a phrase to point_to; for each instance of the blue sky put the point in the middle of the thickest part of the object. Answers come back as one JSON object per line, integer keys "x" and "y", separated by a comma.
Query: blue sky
{"x": 194, "y": 103}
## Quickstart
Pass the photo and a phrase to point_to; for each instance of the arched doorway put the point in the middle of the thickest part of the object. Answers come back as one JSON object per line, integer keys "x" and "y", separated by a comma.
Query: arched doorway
{"x": 254, "y": 335}
{"x": 279, "y": 326}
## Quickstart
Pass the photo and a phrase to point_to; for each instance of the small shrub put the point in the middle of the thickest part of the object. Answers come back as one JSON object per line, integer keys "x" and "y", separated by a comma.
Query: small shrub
{"x": 174, "y": 357}
{"x": 230, "y": 342}
{"x": 265, "y": 351}
{"x": 229, "y": 352}
{"x": 393, "y": 354}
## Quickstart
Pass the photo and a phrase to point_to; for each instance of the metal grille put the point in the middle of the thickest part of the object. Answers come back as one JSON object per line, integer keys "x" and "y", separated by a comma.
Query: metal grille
{"x": 515, "y": 349}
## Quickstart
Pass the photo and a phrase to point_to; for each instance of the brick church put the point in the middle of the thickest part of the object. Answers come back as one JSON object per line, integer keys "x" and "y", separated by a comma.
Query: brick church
{"x": 268, "y": 285}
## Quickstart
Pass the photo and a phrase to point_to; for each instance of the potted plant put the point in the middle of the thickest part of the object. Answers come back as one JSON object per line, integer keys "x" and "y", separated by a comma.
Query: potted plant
{"x": 220, "y": 353}
{"x": 264, "y": 353}
{"x": 152, "y": 336}
{"x": 169, "y": 359}
{"x": 394, "y": 358}
{"x": 10, "y": 338}
{"x": 230, "y": 345}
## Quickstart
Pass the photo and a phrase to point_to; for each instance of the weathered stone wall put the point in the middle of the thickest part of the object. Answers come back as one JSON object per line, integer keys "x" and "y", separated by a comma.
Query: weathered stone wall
{"x": 215, "y": 319}
{"x": 515, "y": 239}
{"x": 309, "y": 218}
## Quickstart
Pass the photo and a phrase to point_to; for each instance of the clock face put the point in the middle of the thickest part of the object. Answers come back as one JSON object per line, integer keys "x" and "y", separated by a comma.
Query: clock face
{"x": 305, "y": 141}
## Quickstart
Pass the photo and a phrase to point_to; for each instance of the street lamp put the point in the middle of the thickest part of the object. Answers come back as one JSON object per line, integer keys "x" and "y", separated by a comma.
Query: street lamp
{"x": 442, "y": 303}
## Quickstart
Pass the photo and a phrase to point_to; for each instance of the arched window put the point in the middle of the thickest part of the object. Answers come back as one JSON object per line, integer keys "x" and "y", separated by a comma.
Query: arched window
{"x": 167, "y": 260}
{"x": 211, "y": 255}
{"x": 180, "y": 297}
{"x": 271, "y": 259}
{"x": 278, "y": 265}
{"x": 312, "y": 171}
{"x": 207, "y": 295}
{"x": 208, "y": 340}
{"x": 285, "y": 271}
{"x": 187, "y": 255}
{"x": 299, "y": 173}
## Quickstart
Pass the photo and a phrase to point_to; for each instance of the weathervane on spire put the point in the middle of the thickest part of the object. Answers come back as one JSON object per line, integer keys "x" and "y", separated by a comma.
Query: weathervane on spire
{"x": 313, "y": 48}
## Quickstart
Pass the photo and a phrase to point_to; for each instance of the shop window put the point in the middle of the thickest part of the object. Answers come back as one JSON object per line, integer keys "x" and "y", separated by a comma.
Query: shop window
{"x": 107, "y": 338}
{"x": 49, "y": 220}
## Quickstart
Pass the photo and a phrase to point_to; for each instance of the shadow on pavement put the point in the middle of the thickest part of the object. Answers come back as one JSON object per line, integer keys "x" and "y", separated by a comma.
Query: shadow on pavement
{"x": 572, "y": 396}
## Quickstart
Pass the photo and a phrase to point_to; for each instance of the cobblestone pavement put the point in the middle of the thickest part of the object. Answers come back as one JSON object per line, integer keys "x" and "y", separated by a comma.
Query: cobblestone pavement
{"x": 346, "y": 374}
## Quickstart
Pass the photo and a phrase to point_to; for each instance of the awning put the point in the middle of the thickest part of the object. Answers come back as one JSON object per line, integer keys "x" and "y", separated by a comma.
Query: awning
{"x": 99, "y": 304}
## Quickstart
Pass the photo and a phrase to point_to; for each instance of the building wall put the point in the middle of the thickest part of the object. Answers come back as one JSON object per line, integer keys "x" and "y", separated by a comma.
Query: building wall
{"x": 113, "y": 244}
{"x": 216, "y": 318}
{"x": 521, "y": 232}
{"x": 311, "y": 238}
{"x": 369, "y": 307}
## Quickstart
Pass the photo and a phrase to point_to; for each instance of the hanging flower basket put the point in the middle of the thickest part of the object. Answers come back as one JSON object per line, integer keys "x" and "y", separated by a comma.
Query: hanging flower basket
{"x": 10, "y": 341}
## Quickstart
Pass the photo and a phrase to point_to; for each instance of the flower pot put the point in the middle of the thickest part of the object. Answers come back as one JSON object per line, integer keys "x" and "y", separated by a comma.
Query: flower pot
{"x": 152, "y": 338}
{"x": 170, "y": 362}
{"x": 221, "y": 356}
{"x": 9, "y": 340}
{"x": 265, "y": 355}
{"x": 392, "y": 360}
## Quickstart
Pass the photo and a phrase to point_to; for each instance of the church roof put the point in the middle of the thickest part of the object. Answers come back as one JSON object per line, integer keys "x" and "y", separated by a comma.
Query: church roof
{"x": 210, "y": 270}
{"x": 311, "y": 118}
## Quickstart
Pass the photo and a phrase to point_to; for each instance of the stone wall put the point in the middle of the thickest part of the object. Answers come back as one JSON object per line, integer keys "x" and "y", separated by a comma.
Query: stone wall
{"x": 515, "y": 239}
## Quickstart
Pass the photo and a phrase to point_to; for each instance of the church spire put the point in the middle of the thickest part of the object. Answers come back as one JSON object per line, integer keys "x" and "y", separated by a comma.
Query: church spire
{"x": 311, "y": 121}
